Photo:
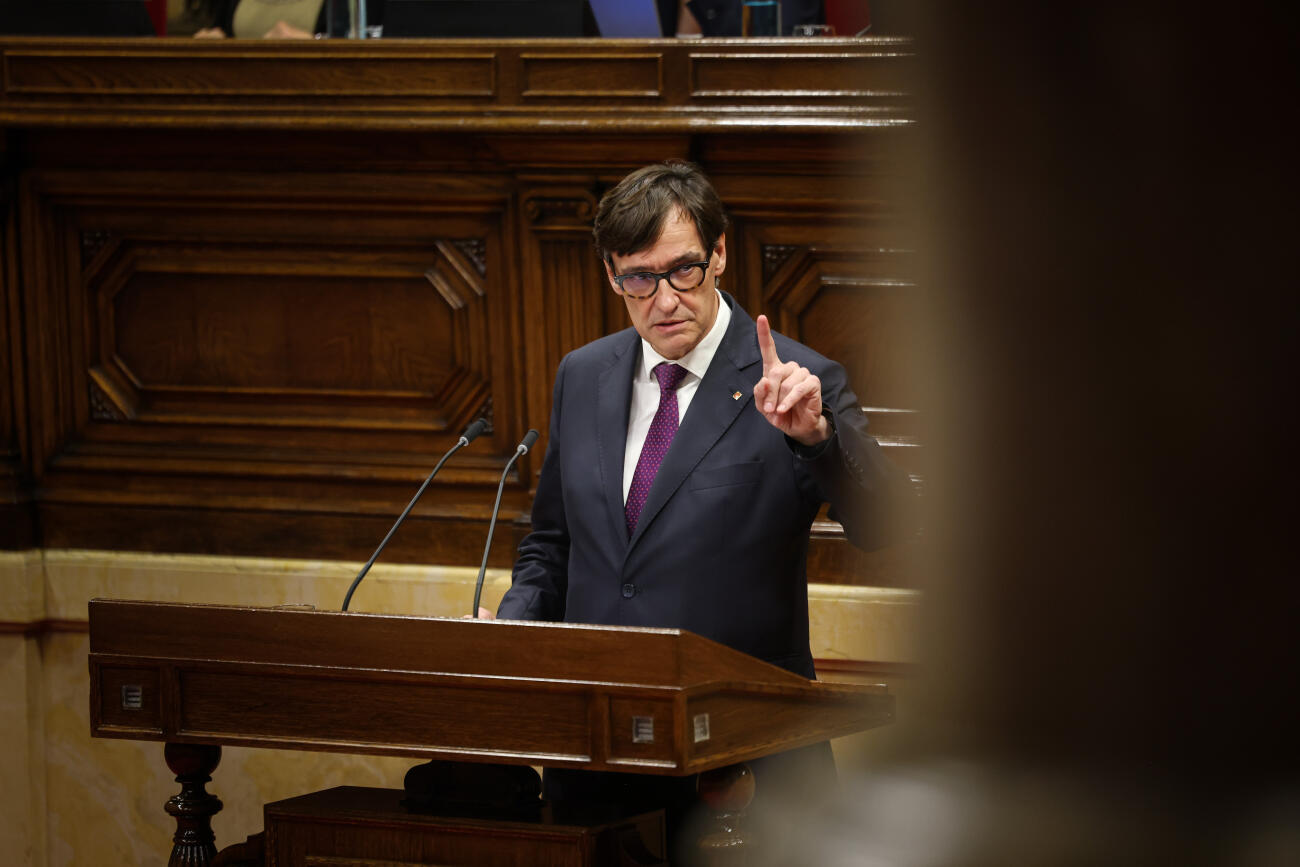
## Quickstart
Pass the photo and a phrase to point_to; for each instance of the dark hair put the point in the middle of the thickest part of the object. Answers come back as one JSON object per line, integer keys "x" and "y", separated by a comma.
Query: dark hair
{"x": 632, "y": 215}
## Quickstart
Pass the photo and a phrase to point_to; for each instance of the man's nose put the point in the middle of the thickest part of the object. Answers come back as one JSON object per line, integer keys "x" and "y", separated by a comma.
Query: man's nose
{"x": 666, "y": 297}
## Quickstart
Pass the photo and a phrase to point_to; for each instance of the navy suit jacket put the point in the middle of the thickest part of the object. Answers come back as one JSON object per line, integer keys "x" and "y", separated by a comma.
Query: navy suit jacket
{"x": 721, "y": 544}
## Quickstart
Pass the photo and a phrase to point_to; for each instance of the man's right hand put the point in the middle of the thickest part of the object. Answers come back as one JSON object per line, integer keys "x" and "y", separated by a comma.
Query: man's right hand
{"x": 483, "y": 614}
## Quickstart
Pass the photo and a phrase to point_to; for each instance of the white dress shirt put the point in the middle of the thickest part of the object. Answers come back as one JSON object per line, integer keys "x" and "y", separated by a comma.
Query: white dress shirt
{"x": 645, "y": 388}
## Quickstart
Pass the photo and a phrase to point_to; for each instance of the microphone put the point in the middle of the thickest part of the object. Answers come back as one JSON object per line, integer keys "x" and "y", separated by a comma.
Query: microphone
{"x": 529, "y": 440}
{"x": 471, "y": 433}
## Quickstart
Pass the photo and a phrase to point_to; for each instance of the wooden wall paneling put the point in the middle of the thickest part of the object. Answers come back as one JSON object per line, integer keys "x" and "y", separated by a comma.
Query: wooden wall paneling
{"x": 565, "y": 300}
{"x": 802, "y": 186}
{"x": 17, "y": 526}
{"x": 836, "y": 278}
{"x": 310, "y": 350}
{"x": 213, "y": 240}
{"x": 600, "y": 156}
{"x": 332, "y": 532}
{"x": 858, "y": 306}
{"x": 47, "y": 334}
{"x": 461, "y": 85}
{"x": 380, "y": 362}
{"x": 828, "y": 269}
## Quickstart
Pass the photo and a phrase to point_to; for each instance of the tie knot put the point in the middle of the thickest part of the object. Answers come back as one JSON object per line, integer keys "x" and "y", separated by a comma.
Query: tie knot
{"x": 669, "y": 375}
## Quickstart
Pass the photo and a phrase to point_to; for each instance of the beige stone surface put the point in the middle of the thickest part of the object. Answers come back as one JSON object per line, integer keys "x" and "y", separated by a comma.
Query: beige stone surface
{"x": 22, "y": 751}
{"x": 862, "y": 623}
{"x": 73, "y": 578}
{"x": 69, "y": 799}
{"x": 22, "y": 587}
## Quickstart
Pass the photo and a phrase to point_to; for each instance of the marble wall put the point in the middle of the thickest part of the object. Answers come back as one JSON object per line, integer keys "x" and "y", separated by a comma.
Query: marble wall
{"x": 70, "y": 799}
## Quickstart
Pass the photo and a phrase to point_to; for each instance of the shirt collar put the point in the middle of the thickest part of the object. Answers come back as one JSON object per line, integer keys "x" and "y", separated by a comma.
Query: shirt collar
{"x": 696, "y": 361}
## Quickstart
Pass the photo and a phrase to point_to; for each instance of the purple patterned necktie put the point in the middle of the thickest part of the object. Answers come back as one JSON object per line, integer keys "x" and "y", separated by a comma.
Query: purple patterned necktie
{"x": 657, "y": 440}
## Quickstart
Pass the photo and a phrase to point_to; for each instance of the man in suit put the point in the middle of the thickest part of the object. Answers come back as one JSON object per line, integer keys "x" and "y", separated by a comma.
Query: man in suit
{"x": 687, "y": 458}
{"x": 766, "y": 430}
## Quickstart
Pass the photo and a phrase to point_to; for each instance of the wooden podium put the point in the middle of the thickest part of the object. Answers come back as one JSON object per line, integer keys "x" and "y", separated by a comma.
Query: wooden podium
{"x": 648, "y": 701}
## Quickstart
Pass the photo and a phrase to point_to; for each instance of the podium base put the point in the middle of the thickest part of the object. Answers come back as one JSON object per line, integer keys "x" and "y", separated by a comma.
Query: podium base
{"x": 350, "y": 824}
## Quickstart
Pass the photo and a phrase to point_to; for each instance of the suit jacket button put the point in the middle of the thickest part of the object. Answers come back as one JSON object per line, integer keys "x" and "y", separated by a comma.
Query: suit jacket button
{"x": 629, "y": 590}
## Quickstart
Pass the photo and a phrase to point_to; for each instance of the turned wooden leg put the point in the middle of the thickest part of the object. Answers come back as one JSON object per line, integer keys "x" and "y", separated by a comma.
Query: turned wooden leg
{"x": 193, "y": 809}
{"x": 728, "y": 792}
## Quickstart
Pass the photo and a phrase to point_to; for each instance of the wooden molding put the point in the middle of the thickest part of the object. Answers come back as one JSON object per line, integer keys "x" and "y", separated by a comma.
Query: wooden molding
{"x": 459, "y": 85}
{"x": 851, "y": 667}
{"x": 860, "y": 667}
{"x": 252, "y": 317}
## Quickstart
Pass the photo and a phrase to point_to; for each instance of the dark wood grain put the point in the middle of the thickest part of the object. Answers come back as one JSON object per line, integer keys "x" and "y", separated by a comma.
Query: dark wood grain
{"x": 252, "y": 292}
{"x": 498, "y": 85}
{"x": 193, "y": 844}
{"x": 646, "y": 657}
{"x": 17, "y": 509}
{"x": 238, "y": 525}
{"x": 350, "y": 825}
{"x": 556, "y": 695}
{"x": 231, "y": 704}
{"x": 746, "y": 724}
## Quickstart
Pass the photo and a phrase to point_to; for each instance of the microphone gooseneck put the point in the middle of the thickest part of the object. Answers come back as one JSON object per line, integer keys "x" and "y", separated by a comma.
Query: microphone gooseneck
{"x": 471, "y": 433}
{"x": 525, "y": 445}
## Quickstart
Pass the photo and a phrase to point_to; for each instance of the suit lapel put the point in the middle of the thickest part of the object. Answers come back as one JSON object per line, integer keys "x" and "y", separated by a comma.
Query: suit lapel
{"x": 712, "y": 411}
{"x": 613, "y": 402}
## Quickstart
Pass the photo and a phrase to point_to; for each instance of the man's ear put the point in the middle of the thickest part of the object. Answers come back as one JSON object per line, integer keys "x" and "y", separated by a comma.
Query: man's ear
{"x": 720, "y": 253}
{"x": 609, "y": 272}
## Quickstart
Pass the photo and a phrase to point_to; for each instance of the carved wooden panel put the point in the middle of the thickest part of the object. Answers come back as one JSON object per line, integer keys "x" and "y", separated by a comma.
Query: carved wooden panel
{"x": 859, "y": 307}
{"x": 313, "y": 337}
{"x": 602, "y": 76}
{"x": 462, "y": 85}
{"x": 831, "y": 271}
{"x": 841, "y": 281}
{"x": 219, "y": 341}
{"x": 90, "y": 74}
{"x": 16, "y": 526}
{"x": 565, "y": 289}
{"x": 255, "y": 312}
{"x": 791, "y": 74}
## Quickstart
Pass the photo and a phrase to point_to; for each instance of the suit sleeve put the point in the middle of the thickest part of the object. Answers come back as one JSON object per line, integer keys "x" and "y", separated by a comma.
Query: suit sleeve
{"x": 539, "y": 582}
{"x": 869, "y": 494}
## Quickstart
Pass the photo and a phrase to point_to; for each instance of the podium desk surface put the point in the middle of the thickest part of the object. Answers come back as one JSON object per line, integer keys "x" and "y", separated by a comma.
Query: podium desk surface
{"x": 645, "y": 700}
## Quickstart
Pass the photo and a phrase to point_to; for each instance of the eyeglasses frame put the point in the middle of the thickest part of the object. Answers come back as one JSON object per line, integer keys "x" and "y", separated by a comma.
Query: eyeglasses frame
{"x": 665, "y": 276}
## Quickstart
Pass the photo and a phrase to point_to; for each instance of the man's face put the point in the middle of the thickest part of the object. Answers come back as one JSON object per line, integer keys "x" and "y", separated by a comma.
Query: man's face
{"x": 674, "y": 322}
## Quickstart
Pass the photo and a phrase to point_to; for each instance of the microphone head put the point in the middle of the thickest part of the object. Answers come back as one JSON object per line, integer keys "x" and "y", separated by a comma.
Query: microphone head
{"x": 472, "y": 432}
{"x": 529, "y": 440}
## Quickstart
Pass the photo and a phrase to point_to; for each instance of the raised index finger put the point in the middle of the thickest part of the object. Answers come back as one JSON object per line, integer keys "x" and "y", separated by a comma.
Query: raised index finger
{"x": 766, "y": 344}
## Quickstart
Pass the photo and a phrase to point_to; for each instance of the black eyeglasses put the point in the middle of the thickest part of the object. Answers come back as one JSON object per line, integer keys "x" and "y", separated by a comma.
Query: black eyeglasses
{"x": 644, "y": 284}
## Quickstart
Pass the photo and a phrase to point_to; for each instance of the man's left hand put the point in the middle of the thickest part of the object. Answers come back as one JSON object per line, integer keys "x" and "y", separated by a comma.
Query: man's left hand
{"x": 789, "y": 396}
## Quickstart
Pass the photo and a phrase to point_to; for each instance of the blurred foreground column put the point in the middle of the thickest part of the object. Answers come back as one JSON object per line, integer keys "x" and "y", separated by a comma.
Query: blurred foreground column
{"x": 1105, "y": 206}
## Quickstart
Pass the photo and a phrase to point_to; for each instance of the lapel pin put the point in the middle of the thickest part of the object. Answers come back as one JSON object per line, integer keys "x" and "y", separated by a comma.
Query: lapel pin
{"x": 735, "y": 395}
